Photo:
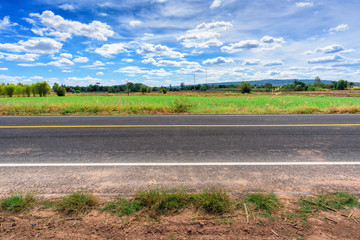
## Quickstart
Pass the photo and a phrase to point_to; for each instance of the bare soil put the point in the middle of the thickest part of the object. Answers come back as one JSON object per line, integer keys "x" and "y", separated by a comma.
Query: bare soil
{"x": 190, "y": 224}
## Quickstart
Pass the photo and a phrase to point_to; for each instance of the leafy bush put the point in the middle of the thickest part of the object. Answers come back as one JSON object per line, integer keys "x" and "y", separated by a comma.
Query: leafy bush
{"x": 10, "y": 90}
{"x": 245, "y": 87}
{"x": 181, "y": 105}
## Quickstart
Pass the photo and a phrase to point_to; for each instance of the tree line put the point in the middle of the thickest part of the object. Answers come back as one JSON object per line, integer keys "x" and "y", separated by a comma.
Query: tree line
{"x": 25, "y": 90}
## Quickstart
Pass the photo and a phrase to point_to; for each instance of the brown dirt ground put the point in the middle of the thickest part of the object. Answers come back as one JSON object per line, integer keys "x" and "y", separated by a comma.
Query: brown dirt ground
{"x": 190, "y": 224}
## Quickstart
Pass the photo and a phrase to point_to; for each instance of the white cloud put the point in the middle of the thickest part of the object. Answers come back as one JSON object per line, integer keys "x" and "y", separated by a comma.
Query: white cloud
{"x": 67, "y": 7}
{"x": 81, "y": 60}
{"x": 327, "y": 59}
{"x": 33, "y": 45}
{"x": 273, "y": 73}
{"x": 330, "y": 49}
{"x": 251, "y": 62}
{"x": 95, "y": 30}
{"x": 61, "y": 36}
{"x": 132, "y": 70}
{"x": 66, "y": 55}
{"x": 170, "y": 63}
{"x": 28, "y": 57}
{"x": 218, "y": 60}
{"x": 150, "y": 50}
{"x": 87, "y": 79}
{"x": 5, "y": 23}
{"x": 135, "y": 23}
{"x": 204, "y": 35}
{"x": 107, "y": 50}
{"x": 99, "y": 74}
{"x": 129, "y": 60}
{"x": 242, "y": 45}
{"x": 304, "y": 4}
{"x": 190, "y": 71}
{"x": 266, "y": 43}
{"x": 61, "y": 63}
{"x": 66, "y": 71}
{"x": 339, "y": 28}
{"x": 348, "y": 63}
{"x": 95, "y": 65}
{"x": 215, "y": 4}
{"x": 273, "y": 63}
{"x": 4, "y": 69}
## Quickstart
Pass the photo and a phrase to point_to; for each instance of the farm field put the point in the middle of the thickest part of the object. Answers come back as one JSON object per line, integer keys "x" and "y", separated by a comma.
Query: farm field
{"x": 179, "y": 104}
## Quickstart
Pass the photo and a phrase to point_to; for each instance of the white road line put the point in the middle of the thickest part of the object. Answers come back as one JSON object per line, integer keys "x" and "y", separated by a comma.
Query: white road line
{"x": 172, "y": 164}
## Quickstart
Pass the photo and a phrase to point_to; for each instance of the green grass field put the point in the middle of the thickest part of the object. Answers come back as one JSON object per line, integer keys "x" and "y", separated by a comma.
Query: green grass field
{"x": 171, "y": 104}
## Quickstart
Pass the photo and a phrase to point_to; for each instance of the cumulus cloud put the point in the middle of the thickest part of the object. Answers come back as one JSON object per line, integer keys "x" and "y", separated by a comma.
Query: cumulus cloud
{"x": 215, "y": 4}
{"x": 218, "y": 60}
{"x": 348, "y": 63}
{"x": 273, "y": 63}
{"x": 87, "y": 79}
{"x": 190, "y": 71}
{"x": 99, "y": 74}
{"x": 339, "y": 28}
{"x": 327, "y": 59}
{"x": 61, "y": 63}
{"x": 81, "y": 60}
{"x": 4, "y": 69}
{"x": 304, "y": 4}
{"x": 66, "y": 55}
{"x": 135, "y": 23}
{"x": 150, "y": 50}
{"x": 204, "y": 35}
{"x": 96, "y": 65}
{"x": 129, "y": 60}
{"x": 330, "y": 49}
{"x": 266, "y": 42}
{"x": 5, "y": 23}
{"x": 28, "y": 57}
{"x": 33, "y": 45}
{"x": 67, "y": 7}
{"x": 133, "y": 70}
{"x": 170, "y": 63}
{"x": 95, "y": 30}
{"x": 108, "y": 50}
{"x": 251, "y": 62}
{"x": 273, "y": 73}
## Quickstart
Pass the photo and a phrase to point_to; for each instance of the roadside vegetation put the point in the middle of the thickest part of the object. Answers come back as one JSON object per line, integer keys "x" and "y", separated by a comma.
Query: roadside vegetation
{"x": 154, "y": 212}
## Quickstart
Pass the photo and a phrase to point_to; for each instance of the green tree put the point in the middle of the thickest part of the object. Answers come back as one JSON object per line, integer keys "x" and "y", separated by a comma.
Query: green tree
{"x": 143, "y": 89}
{"x": 317, "y": 82}
{"x": 10, "y": 90}
{"x": 268, "y": 87}
{"x": 163, "y": 90}
{"x": 341, "y": 85}
{"x": 27, "y": 90}
{"x": 148, "y": 89}
{"x": 245, "y": 87}
{"x": 42, "y": 88}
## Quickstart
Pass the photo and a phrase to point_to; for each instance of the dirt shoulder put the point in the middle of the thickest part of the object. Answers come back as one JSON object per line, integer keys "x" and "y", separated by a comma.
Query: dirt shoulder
{"x": 189, "y": 224}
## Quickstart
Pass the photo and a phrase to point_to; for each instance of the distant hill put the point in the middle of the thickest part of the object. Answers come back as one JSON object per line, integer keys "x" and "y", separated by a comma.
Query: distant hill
{"x": 274, "y": 82}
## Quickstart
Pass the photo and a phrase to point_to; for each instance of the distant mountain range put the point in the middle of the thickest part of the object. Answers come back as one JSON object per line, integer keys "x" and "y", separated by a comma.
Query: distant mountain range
{"x": 274, "y": 82}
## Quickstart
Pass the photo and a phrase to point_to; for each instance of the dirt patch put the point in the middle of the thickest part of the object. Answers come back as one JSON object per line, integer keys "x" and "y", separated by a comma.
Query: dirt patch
{"x": 190, "y": 224}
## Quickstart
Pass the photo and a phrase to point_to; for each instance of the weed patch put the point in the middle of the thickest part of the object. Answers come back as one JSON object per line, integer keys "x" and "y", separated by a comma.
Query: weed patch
{"x": 78, "y": 202}
{"x": 122, "y": 206}
{"x": 217, "y": 202}
{"x": 17, "y": 203}
{"x": 263, "y": 202}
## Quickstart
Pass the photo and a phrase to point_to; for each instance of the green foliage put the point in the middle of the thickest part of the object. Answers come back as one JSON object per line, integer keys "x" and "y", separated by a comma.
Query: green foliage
{"x": 143, "y": 89}
{"x": 78, "y": 202}
{"x": 59, "y": 90}
{"x": 163, "y": 90}
{"x": 42, "y": 88}
{"x": 217, "y": 202}
{"x": 17, "y": 203}
{"x": 181, "y": 105}
{"x": 245, "y": 87}
{"x": 122, "y": 206}
{"x": 263, "y": 202}
{"x": 341, "y": 85}
{"x": 10, "y": 90}
{"x": 160, "y": 201}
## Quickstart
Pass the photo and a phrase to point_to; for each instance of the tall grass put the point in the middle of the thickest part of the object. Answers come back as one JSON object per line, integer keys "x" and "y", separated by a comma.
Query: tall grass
{"x": 125, "y": 105}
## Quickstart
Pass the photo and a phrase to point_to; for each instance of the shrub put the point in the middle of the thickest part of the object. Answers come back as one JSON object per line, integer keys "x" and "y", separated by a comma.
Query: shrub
{"x": 245, "y": 87}
{"x": 42, "y": 88}
{"x": 10, "y": 89}
{"x": 182, "y": 105}
{"x": 78, "y": 202}
{"x": 163, "y": 90}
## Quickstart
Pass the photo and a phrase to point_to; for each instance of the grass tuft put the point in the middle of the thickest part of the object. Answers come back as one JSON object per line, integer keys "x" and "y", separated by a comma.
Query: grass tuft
{"x": 122, "y": 206}
{"x": 78, "y": 202}
{"x": 217, "y": 202}
{"x": 160, "y": 201}
{"x": 263, "y": 202}
{"x": 17, "y": 203}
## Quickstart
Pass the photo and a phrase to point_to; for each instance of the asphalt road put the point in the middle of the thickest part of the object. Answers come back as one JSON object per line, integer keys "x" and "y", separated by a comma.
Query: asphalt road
{"x": 197, "y": 142}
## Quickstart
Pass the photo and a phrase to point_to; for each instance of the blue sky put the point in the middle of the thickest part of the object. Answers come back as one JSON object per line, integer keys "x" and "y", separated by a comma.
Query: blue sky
{"x": 163, "y": 42}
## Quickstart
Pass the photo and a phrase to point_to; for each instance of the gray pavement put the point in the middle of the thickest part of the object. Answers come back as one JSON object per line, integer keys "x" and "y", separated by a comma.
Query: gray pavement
{"x": 185, "y": 145}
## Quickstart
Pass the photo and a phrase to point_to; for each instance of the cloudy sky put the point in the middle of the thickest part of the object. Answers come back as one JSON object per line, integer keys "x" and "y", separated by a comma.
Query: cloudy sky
{"x": 162, "y": 42}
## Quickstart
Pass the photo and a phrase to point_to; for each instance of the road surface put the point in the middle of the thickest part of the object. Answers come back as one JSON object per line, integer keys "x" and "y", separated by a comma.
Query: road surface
{"x": 112, "y": 155}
